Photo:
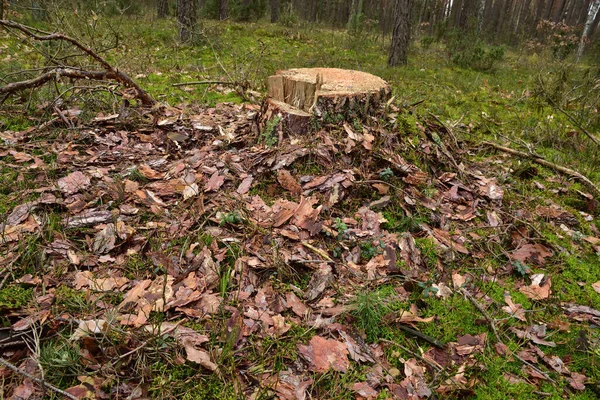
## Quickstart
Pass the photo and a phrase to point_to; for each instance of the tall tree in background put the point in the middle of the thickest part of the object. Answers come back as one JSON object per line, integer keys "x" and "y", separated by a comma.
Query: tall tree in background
{"x": 162, "y": 8}
{"x": 186, "y": 19}
{"x": 592, "y": 11}
{"x": 275, "y": 10}
{"x": 223, "y": 10}
{"x": 1, "y": 9}
{"x": 401, "y": 33}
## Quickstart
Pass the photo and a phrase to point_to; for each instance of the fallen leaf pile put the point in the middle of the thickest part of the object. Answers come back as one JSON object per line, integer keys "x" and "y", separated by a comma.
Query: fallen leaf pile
{"x": 190, "y": 220}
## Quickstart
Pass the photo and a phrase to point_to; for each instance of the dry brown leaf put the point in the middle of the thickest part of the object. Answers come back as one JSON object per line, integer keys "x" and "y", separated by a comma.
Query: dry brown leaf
{"x": 215, "y": 182}
{"x": 537, "y": 290}
{"x": 325, "y": 354}
{"x": 73, "y": 183}
{"x": 289, "y": 386}
{"x": 288, "y": 182}
{"x": 458, "y": 280}
{"x": 364, "y": 391}
{"x": 443, "y": 291}
{"x": 198, "y": 356}
{"x": 532, "y": 253}
{"x": 105, "y": 240}
{"x": 516, "y": 310}
{"x": 319, "y": 281}
{"x": 89, "y": 327}
{"x": 577, "y": 381}
{"x": 245, "y": 185}
{"x": 149, "y": 173}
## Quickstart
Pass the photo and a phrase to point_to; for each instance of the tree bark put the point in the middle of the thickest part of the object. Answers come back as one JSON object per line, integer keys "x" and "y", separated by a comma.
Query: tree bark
{"x": 223, "y": 10}
{"x": 186, "y": 19}
{"x": 401, "y": 33}
{"x": 1, "y": 9}
{"x": 592, "y": 11}
{"x": 275, "y": 10}
{"x": 162, "y": 8}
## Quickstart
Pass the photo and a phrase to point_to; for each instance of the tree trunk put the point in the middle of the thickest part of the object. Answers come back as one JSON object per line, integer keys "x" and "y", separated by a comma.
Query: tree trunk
{"x": 401, "y": 33}
{"x": 162, "y": 8}
{"x": 592, "y": 11}
{"x": 480, "y": 13}
{"x": 275, "y": 10}
{"x": 186, "y": 19}
{"x": 223, "y": 10}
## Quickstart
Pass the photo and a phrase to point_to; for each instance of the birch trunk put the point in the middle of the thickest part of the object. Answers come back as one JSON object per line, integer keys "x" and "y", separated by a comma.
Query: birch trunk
{"x": 593, "y": 10}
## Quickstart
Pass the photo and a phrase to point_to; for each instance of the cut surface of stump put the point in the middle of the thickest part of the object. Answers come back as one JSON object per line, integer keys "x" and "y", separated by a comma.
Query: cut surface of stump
{"x": 307, "y": 88}
{"x": 297, "y": 95}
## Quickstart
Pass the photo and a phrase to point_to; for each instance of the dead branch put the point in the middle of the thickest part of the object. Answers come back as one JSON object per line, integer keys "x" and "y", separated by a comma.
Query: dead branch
{"x": 492, "y": 325}
{"x": 55, "y": 73}
{"x": 559, "y": 168}
{"x": 204, "y": 83}
{"x": 110, "y": 71}
{"x": 574, "y": 121}
{"x": 36, "y": 380}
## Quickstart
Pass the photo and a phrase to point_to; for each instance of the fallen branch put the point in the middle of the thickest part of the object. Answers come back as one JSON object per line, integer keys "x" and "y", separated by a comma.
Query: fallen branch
{"x": 492, "y": 325}
{"x": 55, "y": 73}
{"x": 36, "y": 380}
{"x": 537, "y": 159}
{"x": 574, "y": 121}
{"x": 204, "y": 83}
{"x": 111, "y": 72}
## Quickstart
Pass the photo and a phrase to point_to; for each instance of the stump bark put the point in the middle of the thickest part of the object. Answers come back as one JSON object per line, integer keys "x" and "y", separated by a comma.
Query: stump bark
{"x": 296, "y": 96}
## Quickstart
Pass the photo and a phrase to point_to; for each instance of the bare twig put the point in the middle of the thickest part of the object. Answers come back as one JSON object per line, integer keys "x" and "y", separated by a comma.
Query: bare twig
{"x": 204, "y": 83}
{"x": 432, "y": 364}
{"x": 423, "y": 336}
{"x": 39, "y": 381}
{"x": 537, "y": 159}
{"x": 317, "y": 250}
{"x": 55, "y": 73}
{"x": 492, "y": 325}
{"x": 111, "y": 72}
{"x": 574, "y": 121}
{"x": 145, "y": 343}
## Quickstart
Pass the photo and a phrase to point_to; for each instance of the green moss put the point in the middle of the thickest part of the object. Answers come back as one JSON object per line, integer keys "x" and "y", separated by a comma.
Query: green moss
{"x": 428, "y": 251}
{"x": 15, "y": 296}
{"x": 71, "y": 300}
{"x": 453, "y": 317}
{"x": 573, "y": 278}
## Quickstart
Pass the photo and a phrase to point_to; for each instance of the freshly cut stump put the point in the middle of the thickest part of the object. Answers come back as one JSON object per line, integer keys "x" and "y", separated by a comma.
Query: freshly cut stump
{"x": 298, "y": 95}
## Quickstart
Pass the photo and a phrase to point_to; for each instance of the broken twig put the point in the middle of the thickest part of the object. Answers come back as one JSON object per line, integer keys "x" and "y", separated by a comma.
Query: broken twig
{"x": 492, "y": 325}
{"x": 539, "y": 160}
{"x": 39, "y": 381}
{"x": 204, "y": 83}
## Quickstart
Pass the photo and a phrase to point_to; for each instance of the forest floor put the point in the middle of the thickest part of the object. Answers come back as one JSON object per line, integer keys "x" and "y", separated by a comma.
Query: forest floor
{"x": 178, "y": 253}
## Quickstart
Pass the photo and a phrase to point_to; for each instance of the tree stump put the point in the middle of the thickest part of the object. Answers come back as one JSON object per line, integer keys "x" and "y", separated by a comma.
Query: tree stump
{"x": 296, "y": 96}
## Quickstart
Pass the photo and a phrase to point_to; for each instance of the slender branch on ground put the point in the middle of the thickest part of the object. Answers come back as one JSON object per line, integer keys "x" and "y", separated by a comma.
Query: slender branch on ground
{"x": 432, "y": 364}
{"x": 204, "y": 83}
{"x": 55, "y": 73}
{"x": 317, "y": 250}
{"x": 566, "y": 114}
{"x": 539, "y": 160}
{"x": 423, "y": 336}
{"x": 39, "y": 381}
{"x": 111, "y": 72}
{"x": 492, "y": 325}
